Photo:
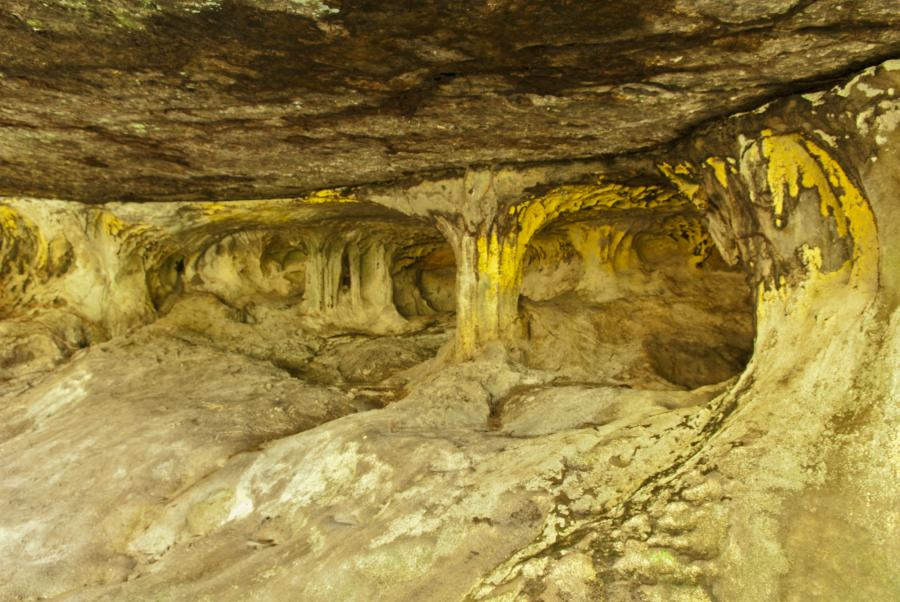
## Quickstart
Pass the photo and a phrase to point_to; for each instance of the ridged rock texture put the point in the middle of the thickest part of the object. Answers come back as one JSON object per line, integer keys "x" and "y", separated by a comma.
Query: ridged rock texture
{"x": 498, "y": 300}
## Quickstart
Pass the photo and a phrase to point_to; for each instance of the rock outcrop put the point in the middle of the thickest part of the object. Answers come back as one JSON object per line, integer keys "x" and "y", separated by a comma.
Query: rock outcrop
{"x": 665, "y": 376}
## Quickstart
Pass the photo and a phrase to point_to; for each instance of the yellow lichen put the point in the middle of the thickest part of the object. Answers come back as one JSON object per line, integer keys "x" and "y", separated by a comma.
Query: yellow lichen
{"x": 599, "y": 245}
{"x": 490, "y": 275}
{"x": 686, "y": 180}
{"x": 536, "y": 211}
{"x": 329, "y": 195}
{"x": 796, "y": 164}
{"x": 9, "y": 219}
{"x": 111, "y": 224}
{"x": 720, "y": 169}
{"x": 270, "y": 211}
{"x": 488, "y": 296}
{"x": 16, "y": 227}
{"x": 768, "y": 295}
{"x": 811, "y": 257}
{"x": 690, "y": 231}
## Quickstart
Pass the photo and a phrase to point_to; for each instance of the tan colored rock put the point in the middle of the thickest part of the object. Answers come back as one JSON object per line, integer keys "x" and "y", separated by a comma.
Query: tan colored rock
{"x": 267, "y": 400}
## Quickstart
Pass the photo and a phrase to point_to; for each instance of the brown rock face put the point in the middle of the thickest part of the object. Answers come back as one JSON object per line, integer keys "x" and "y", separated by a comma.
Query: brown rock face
{"x": 224, "y": 99}
{"x": 516, "y": 305}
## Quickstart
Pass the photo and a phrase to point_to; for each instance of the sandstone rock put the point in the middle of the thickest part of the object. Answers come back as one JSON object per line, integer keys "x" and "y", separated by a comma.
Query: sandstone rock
{"x": 668, "y": 375}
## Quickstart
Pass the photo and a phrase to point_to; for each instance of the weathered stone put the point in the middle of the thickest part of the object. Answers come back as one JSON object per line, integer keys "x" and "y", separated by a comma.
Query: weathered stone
{"x": 668, "y": 375}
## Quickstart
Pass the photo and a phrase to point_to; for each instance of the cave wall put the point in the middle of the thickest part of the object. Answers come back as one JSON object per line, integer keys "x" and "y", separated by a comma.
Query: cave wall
{"x": 481, "y": 479}
{"x": 644, "y": 301}
{"x": 334, "y": 264}
{"x": 77, "y": 274}
{"x": 803, "y": 193}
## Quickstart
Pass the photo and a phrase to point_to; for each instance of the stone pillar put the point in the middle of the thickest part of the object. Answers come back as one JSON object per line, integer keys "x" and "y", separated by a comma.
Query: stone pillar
{"x": 368, "y": 302}
{"x": 489, "y": 218}
{"x": 489, "y": 263}
{"x": 490, "y": 237}
{"x": 323, "y": 275}
{"x": 376, "y": 284}
{"x": 354, "y": 265}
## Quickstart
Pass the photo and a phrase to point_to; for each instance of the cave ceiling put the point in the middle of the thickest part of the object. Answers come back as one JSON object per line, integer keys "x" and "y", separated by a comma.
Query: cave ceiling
{"x": 250, "y": 99}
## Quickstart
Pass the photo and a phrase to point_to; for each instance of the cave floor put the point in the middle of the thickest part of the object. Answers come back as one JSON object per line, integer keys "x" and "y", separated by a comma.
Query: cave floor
{"x": 171, "y": 453}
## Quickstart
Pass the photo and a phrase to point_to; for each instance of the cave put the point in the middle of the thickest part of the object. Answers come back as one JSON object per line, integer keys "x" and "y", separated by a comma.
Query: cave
{"x": 485, "y": 300}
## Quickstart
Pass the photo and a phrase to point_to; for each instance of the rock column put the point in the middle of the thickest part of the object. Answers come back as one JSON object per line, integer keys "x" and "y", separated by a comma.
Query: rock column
{"x": 490, "y": 238}
{"x": 348, "y": 283}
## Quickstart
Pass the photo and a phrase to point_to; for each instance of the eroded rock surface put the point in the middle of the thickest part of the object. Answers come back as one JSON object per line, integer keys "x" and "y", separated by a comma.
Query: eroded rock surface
{"x": 661, "y": 377}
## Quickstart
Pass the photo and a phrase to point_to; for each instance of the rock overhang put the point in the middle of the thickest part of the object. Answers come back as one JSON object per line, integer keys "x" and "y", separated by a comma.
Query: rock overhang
{"x": 129, "y": 100}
